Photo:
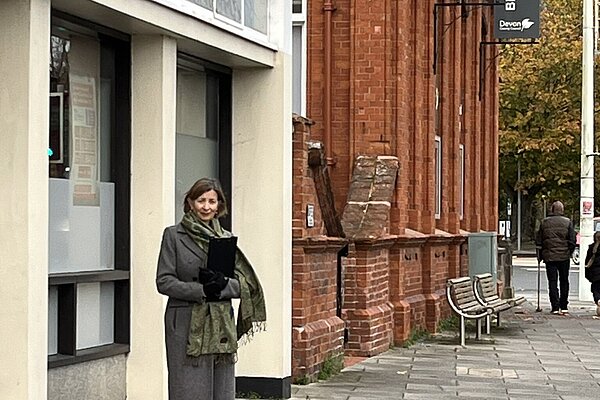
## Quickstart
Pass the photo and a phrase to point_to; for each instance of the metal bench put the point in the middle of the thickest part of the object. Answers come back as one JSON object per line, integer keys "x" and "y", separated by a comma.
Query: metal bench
{"x": 461, "y": 297}
{"x": 486, "y": 293}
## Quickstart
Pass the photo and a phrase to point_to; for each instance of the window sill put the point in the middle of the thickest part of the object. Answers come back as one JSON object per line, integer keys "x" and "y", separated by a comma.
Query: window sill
{"x": 93, "y": 353}
{"x": 64, "y": 278}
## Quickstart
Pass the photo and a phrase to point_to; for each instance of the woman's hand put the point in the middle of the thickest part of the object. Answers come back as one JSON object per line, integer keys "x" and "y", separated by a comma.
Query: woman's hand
{"x": 213, "y": 287}
{"x": 206, "y": 275}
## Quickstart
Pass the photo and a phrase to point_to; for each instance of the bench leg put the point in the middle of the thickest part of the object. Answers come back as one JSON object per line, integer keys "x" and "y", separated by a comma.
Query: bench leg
{"x": 478, "y": 328}
{"x": 462, "y": 331}
{"x": 488, "y": 324}
{"x": 498, "y": 320}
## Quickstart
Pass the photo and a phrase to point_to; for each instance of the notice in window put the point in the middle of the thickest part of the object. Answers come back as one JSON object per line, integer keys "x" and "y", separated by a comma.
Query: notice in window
{"x": 84, "y": 128}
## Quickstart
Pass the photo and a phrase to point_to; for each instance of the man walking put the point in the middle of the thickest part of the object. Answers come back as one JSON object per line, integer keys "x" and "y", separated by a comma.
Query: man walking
{"x": 555, "y": 242}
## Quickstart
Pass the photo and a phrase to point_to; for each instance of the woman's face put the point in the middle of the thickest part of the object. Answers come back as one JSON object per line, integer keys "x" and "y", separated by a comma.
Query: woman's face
{"x": 206, "y": 205}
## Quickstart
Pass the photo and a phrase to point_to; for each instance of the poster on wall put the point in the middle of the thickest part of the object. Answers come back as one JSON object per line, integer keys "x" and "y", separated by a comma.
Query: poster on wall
{"x": 84, "y": 131}
{"x": 587, "y": 207}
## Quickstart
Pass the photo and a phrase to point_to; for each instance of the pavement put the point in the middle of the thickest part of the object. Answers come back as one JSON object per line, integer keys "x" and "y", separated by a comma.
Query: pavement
{"x": 532, "y": 355}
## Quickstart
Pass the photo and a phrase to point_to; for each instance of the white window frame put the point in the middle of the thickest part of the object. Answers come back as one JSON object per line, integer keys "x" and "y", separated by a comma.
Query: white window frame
{"x": 299, "y": 20}
{"x": 438, "y": 176}
{"x": 221, "y": 21}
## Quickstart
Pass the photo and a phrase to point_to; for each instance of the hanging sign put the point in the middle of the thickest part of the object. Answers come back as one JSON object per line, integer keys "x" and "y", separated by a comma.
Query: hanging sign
{"x": 517, "y": 19}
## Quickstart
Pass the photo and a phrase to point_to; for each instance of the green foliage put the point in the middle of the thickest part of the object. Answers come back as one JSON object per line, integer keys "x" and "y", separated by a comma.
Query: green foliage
{"x": 302, "y": 380}
{"x": 449, "y": 324}
{"x": 331, "y": 366}
{"x": 540, "y": 108}
{"x": 417, "y": 334}
{"x": 253, "y": 395}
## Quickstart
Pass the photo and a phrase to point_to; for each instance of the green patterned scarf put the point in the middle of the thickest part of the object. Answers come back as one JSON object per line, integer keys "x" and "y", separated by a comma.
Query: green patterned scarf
{"x": 212, "y": 327}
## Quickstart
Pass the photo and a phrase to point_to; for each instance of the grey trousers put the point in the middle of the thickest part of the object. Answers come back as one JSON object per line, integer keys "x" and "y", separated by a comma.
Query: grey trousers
{"x": 197, "y": 378}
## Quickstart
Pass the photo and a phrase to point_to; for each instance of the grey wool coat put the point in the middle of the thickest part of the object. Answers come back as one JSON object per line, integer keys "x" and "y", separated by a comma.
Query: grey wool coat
{"x": 190, "y": 378}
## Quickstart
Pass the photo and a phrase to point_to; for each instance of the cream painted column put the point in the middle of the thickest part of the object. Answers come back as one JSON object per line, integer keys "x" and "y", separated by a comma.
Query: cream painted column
{"x": 262, "y": 213}
{"x": 24, "y": 121}
{"x": 153, "y": 68}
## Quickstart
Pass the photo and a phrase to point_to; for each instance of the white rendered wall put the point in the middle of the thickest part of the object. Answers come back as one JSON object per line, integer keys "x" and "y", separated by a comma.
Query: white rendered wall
{"x": 152, "y": 207}
{"x": 149, "y": 16}
{"x": 262, "y": 215}
{"x": 262, "y": 190}
{"x": 24, "y": 116}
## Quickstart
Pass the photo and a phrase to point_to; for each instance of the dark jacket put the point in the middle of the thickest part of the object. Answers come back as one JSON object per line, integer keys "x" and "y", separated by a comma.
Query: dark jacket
{"x": 556, "y": 238}
{"x": 592, "y": 273}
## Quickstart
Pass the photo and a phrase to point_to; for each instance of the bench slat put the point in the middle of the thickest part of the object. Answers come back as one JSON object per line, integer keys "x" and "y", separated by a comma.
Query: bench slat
{"x": 486, "y": 288}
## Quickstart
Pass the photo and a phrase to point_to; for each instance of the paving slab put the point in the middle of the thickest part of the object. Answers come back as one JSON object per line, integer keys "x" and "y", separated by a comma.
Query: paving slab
{"x": 532, "y": 356}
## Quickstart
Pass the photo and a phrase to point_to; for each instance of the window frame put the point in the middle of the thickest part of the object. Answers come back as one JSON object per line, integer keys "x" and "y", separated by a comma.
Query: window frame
{"x": 120, "y": 153}
{"x": 221, "y": 21}
{"x": 299, "y": 20}
{"x": 224, "y": 106}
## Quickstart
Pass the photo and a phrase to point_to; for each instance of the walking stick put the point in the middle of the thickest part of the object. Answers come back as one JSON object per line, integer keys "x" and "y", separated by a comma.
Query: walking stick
{"x": 538, "y": 309}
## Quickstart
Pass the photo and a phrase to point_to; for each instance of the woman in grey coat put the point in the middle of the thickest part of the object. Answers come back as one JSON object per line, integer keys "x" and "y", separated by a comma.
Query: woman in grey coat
{"x": 200, "y": 332}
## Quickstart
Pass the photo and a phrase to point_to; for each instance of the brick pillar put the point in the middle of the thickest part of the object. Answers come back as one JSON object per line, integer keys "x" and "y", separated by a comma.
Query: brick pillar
{"x": 406, "y": 285}
{"x": 366, "y": 298}
{"x": 317, "y": 329}
{"x": 317, "y": 332}
{"x": 455, "y": 262}
{"x": 435, "y": 273}
{"x": 366, "y": 220}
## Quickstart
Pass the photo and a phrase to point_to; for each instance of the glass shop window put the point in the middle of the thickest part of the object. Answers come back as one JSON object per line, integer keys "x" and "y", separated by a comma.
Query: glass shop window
{"x": 81, "y": 192}
{"x": 203, "y": 124}
{"x": 89, "y": 173}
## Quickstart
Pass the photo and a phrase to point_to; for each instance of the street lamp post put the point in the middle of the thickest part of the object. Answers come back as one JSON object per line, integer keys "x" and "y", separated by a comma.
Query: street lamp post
{"x": 586, "y": 205}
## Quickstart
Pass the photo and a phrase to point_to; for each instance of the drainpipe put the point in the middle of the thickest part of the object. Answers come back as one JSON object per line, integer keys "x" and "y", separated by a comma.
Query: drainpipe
{"x": 328, "y": 8}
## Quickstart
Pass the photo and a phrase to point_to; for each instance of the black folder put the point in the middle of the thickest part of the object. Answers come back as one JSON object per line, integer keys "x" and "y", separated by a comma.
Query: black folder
{"x": 221, "y": 255}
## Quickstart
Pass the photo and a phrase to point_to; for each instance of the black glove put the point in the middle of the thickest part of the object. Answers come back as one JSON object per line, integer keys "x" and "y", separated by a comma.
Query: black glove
{"x": 206, "y": 275}
{"x": 213, "y": 288}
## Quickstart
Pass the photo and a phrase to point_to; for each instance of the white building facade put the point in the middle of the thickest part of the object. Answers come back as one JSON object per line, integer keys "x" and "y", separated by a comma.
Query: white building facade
{"x": 109, "y": 111}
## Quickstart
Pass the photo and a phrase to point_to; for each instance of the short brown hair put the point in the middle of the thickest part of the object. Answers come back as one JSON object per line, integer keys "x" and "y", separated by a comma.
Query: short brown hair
{"x": 202, "y": 186}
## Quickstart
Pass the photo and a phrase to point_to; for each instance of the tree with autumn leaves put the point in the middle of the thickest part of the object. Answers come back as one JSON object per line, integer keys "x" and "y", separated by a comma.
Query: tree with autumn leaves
{"x": 540, "y": 117}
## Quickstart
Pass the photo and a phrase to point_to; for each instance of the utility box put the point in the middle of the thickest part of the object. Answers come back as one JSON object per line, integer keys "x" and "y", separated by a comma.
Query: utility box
{"x": 483, "y": 248}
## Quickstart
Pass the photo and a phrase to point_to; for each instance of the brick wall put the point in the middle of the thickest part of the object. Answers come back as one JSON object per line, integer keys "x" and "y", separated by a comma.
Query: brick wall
{"x": 384, "y": 102}
{"x": 387, "y": 101}
{"x": 317, "y": 330}
{"x": 304, "y": 189}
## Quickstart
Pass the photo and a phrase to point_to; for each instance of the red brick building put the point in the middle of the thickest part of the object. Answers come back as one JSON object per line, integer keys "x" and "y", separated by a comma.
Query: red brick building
{"x": 403, "y": 95}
